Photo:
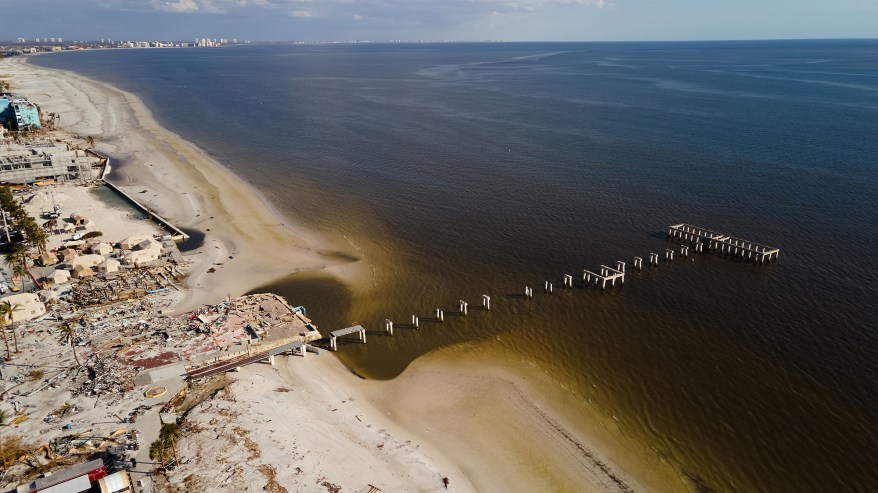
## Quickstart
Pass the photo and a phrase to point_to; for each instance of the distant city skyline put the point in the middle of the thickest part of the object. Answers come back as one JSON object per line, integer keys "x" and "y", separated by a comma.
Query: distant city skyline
{"x": 414, "y": 20}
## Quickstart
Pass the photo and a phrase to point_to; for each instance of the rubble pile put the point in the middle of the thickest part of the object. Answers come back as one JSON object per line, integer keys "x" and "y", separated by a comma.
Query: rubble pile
{"x": 107, "y": 375}
{"x": 123, "y": 285}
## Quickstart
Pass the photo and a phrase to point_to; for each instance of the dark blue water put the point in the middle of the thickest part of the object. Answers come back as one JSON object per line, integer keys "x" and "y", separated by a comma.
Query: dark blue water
{"x": 457, "y": 170}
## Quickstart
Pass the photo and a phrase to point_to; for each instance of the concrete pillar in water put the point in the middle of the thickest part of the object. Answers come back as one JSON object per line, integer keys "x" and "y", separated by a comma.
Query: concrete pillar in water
{"x": 462, "y": 307}
{"x": 363, "y": 336}
{"x": 568, "y": 281}
{"x": 486, "y": 301}
{"x": 638, "y": 263}
{"x": 333, "y": 343}
{"x": 620, "y": 266}
{"x": 439, "y": 315}
{"x": 388, "y": 326}
{"x": 271, "y": 359}
{"x": 415, "y": 321}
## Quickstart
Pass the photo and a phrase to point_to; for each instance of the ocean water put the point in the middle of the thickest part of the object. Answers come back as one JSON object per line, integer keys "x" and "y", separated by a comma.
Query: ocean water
{"x": 462, "y": 169}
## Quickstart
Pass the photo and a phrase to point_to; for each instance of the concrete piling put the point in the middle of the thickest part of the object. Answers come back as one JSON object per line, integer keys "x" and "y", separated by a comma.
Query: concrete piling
{"x": 388, "y": 326}
{"x": 486, "y": 302}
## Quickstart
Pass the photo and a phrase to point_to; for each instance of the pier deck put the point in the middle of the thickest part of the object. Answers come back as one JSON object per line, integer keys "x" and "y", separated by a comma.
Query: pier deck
{"x": 356, "y": 329}
{"x": 231, "y": 364}
{"x": 726, "y": 244}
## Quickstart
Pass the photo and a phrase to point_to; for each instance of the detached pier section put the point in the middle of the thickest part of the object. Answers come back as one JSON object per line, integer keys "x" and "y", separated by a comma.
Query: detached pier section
{"x": 607, "y": 274}
{"x": 722, "y": 242}
{"x": 356, "y": 329}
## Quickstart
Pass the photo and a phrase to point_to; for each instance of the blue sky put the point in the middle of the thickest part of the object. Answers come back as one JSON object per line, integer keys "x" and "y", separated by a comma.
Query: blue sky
{"x": 511, "y": 20}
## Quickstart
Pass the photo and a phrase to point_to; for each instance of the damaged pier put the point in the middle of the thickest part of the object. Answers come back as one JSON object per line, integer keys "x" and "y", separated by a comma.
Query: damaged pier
{"x": 726, "y": 244}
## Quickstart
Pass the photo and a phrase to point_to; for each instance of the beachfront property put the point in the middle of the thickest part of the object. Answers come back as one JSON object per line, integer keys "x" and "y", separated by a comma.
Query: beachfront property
{"x": 23, "y": 114}
{"x": 20, "y": 164}
{"x": 88, "y": 476}
{"x": 28, "y": 306}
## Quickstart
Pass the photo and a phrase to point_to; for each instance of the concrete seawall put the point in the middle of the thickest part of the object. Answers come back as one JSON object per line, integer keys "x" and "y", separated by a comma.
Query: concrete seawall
{"x": 176, "y": 233}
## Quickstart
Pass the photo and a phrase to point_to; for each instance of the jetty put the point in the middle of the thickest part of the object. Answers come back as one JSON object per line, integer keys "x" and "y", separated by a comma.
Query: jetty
{"x": 176, "y": 233}
{"x": 698, "y": 237}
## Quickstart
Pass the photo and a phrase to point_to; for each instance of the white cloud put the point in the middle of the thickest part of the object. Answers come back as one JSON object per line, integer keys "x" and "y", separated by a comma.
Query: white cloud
{"x": 302, "y": 14}
{"x": 176, "y": 5}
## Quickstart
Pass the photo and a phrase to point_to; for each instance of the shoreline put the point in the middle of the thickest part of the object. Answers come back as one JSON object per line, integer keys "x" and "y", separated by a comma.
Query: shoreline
{"x": 536, "y": 446}
{"x": 184, "y": 184}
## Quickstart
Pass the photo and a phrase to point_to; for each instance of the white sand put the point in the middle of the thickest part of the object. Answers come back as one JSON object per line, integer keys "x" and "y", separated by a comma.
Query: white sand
{"x": 483, "y": 427}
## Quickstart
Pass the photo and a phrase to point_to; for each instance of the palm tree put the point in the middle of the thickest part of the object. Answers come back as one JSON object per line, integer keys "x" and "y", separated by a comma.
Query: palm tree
{"x": 67, "y": 334}
{"x": 5, "y": 337}
{"x": 169, "y": 435}
{"x": 157, "y": 451}
{"x": 18, "y": 257}
{"x": 8, "y": 310}
{"x": 36, "y": 235}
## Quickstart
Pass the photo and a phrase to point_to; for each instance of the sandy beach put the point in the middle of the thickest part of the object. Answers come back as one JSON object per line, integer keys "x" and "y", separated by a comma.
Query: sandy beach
{"x": 482, "y": 425}
{"x": 247, "y": 241}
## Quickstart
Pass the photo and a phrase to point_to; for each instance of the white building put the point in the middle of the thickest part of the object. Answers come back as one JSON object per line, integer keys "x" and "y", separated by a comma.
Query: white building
{"x": 29, "y": 306}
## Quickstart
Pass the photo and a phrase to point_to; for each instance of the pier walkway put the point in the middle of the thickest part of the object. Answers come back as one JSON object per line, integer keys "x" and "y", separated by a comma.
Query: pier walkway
{"x": 356, "y": 329}
{"x": 722, "y": 242}
{"x": 245, "y": 359}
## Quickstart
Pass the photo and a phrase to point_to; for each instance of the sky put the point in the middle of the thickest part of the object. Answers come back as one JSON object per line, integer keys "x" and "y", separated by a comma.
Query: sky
{"x": 435, "y": 20}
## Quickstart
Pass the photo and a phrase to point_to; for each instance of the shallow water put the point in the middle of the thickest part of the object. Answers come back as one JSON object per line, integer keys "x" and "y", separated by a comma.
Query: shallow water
{"x": 458, "y": 170}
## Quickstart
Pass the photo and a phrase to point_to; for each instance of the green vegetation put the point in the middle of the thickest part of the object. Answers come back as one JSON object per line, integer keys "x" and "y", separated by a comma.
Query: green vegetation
{"x": 33, "y": 232}
{"x": 165, "y": 446}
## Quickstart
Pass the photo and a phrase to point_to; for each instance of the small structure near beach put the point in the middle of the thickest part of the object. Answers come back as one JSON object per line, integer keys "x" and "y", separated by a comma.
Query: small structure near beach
{"x": 101, "y": 249}
{"x": 82, "y": 271}
{"x": 47, "y": 258}
{"x": 86, "y": 260}
{"x": 59, "y": 276}
{"x": 148, "y": 244}
{"x": 108, "y": 266}
{"x": 67, "y": 254}
{"x": 140, "y": 257}
{"x": 132, "y": 241}
{"x": 29, "y": 306}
